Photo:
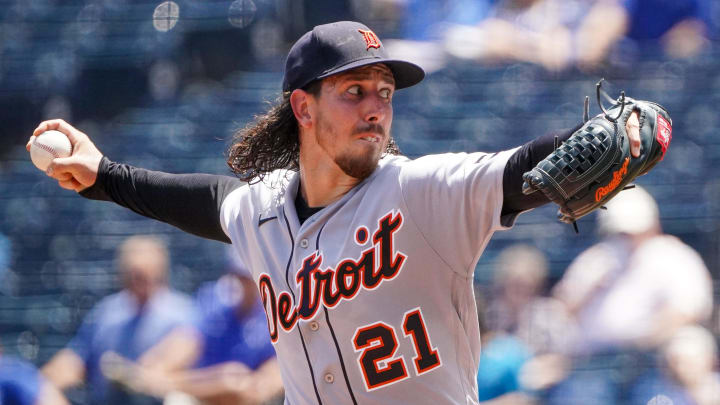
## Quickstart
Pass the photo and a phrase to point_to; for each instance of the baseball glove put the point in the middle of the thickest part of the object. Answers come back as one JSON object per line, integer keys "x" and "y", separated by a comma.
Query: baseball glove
{"x": 595, "y": 163}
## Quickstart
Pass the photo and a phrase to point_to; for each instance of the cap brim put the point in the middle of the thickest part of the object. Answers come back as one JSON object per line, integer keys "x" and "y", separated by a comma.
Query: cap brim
{"x": 406, "y": 74}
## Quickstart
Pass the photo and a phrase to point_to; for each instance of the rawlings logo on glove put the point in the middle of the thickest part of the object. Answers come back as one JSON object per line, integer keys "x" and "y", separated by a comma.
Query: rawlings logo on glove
{"x": 617, "y": 178}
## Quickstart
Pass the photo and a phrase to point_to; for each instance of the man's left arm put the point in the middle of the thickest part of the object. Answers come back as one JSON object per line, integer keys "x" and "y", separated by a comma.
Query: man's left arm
{"x": 522, "y": 161}
{"x": 530, "y": 154}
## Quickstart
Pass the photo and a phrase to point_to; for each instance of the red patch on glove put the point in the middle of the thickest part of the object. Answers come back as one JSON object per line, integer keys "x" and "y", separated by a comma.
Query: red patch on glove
{"x": 664, "y": 133}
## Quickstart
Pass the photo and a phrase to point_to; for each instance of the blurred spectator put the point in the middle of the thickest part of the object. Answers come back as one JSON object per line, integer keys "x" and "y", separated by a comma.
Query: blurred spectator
{"x": 518, "y": 306}
{"x": 689, "y": 374}
{"x": 536, "y": 31}
{"x": 127, "y": 323}
{"x": 637, "y": 286}
{"x": 501, "y": 361}
{"x": 425, "y": 23}
{"x": 426, "y": 20}
{"x": 600, "y": 30}
{"x": 22, "y": 384}
{"x": 680, "y": 26}
{"x": 228, "y": 359}
{"x": 629, "y": 294}
{"x": 521, "y": 324}
{"x": 555, "y": 34}
{"x": 549, "y": 33}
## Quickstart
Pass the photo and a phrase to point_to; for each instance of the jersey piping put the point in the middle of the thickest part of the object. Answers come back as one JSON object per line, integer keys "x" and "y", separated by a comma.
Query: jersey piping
{"x": 332, "y": 332}
{"x": 302, "y": 338}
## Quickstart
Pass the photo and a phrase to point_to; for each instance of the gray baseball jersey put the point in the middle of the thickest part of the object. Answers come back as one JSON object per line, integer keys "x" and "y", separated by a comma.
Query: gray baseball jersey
{"x": 370, "y": 300}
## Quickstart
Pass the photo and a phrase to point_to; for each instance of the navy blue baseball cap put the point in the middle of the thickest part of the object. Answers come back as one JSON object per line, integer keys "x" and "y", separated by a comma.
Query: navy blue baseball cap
{"x": 340, "y": 46}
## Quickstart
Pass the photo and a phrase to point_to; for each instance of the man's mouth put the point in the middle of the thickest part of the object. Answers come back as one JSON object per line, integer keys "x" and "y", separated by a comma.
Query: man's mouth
{"x": 370, "y": 132}
{"x": 371, "y": 138}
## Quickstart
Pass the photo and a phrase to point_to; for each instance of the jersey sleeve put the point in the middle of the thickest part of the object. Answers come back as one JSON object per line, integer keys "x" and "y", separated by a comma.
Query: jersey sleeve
{"x": 456, "y": 201}
{"x": 241, "y": 207}
{"x": 190, "y": 202}
{"x": 231, "y": 211}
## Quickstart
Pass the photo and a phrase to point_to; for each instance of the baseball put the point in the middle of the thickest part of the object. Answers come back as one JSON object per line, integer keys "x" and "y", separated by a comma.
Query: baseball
{"x": 48, "y": 146}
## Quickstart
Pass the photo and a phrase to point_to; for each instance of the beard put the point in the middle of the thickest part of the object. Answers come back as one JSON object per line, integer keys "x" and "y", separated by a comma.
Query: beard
{"x": 358, "y": 164}
{"x": 359, "y": 167}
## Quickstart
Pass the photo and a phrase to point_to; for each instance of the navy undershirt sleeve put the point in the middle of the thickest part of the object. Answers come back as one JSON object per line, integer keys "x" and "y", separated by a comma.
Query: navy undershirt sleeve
{"x": 523, "y": 160}
{"x": 190, "y": 202}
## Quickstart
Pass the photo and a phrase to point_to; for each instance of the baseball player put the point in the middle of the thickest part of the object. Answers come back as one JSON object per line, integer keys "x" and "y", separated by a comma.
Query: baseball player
{"x": 363, "y": 258}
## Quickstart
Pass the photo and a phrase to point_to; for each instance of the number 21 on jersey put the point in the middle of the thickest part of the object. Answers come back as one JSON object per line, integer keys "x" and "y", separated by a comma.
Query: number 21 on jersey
{"x": 377, "y": 344}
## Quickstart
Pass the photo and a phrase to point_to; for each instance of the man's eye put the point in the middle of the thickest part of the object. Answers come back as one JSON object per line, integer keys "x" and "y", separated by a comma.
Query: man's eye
{"x": 354, "y": 90}
{"x": 385, "y": 93}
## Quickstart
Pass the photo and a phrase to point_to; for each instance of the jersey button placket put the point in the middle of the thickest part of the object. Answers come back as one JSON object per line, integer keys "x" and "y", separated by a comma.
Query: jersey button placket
{"x": 314, "y": 326}
{"x": 329, "y": 378}
{"x": 304, "y": 243}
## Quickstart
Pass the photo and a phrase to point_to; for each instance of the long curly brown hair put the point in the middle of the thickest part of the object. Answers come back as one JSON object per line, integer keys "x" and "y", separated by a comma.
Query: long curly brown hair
{"x": 272, "y": 142}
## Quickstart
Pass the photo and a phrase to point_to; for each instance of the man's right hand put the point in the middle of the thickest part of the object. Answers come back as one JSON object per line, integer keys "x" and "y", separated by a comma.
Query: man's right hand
{"x": 79, "y": 170}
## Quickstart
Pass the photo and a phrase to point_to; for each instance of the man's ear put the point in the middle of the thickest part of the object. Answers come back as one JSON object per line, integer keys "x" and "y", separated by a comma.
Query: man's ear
{"x": 302, "y": 106}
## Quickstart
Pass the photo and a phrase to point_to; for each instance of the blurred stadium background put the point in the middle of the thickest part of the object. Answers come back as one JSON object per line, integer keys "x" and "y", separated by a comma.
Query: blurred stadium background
{"x": 162, "y": 85}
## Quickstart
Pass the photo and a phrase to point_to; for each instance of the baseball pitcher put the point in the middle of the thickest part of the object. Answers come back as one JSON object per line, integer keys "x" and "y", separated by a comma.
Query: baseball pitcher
{"x": 363, "y": 258}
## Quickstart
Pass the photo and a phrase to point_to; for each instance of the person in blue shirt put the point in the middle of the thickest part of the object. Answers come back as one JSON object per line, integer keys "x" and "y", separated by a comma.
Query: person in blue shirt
{"x": 233, "y": 324}
{"x": 227, "y": 359}
{"x": 679, "y": 29}
{"x": 125, "y": 324}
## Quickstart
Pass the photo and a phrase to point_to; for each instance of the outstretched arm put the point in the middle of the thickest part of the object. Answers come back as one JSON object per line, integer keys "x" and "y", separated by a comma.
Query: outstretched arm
{"x": 523, "y": 160}
{"x": 530, "y": 154}
{"x": 190, "y": 202}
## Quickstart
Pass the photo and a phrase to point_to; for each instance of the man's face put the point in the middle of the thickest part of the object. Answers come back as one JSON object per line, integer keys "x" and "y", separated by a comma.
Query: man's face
{"x": 354, "y": 115}
{"x": 143, "y": 273}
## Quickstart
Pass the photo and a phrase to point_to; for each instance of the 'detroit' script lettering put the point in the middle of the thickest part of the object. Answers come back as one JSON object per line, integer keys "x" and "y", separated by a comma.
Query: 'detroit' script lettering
{"x": 342, "y": 282}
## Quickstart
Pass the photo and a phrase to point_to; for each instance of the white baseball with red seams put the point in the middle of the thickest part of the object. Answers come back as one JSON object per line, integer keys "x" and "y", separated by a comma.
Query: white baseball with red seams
{"x": 48, "y": 146}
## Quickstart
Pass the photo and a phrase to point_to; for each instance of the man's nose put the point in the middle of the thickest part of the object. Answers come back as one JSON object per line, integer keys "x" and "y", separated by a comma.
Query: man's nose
{"x": 376, "y": 109}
